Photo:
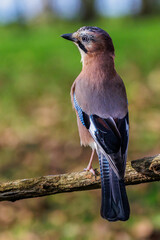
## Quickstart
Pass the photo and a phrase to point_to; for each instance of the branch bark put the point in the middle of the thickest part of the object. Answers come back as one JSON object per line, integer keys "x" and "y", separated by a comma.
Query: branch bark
{"x": 137, "y": 171}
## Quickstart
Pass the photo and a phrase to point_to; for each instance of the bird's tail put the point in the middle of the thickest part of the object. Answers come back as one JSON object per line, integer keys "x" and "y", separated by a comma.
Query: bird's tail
{"x": 114, "y": 204}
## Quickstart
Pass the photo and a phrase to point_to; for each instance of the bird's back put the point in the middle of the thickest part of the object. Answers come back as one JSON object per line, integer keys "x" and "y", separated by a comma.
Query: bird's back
{"x": 101, "y": 97}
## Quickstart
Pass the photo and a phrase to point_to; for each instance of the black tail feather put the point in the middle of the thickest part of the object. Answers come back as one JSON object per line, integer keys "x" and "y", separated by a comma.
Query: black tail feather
{"x": 114, "y": 204}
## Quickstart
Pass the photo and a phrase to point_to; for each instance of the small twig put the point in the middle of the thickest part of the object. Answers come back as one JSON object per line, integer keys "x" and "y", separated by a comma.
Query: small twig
{"x": 137, "y": 171}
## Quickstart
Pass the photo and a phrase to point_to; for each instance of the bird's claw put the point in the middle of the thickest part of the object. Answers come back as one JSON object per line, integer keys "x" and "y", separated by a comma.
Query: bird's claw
{"x": 91, "y": 170}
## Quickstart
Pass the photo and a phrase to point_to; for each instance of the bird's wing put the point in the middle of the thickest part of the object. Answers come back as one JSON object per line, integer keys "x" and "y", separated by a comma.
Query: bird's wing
{"x": 111, "y": 136}
{"x": 112, "y": 139}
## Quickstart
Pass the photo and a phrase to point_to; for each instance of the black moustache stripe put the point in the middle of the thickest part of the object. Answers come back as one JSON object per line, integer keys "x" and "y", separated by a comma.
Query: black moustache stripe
{"x": 82, "y": 47}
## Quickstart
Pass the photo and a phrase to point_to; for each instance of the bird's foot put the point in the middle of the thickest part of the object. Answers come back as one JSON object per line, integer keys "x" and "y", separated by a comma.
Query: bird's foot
{"x": 90, "y": 169}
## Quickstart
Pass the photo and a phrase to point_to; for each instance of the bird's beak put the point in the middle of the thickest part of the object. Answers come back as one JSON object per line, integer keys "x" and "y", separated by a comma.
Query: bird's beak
{"x": 69, "y": 36}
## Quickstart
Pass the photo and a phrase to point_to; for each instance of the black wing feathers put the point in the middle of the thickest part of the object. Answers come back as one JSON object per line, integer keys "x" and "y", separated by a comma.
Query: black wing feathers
{"x": 112, "y": 137}
{"x": 107, "y": 134}
{"x": 123, "y": 126}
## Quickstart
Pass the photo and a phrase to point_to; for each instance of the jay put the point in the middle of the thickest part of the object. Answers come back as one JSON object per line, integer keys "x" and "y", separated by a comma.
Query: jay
{"x": 99, "y": 98}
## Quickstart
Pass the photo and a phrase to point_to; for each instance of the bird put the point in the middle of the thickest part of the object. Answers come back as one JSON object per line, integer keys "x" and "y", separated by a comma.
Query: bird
{"x": 99, "y": 98}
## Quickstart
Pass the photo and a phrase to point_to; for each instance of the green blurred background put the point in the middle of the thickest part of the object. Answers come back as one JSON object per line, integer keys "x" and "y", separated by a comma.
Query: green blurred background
{"x": 38, "y": 130}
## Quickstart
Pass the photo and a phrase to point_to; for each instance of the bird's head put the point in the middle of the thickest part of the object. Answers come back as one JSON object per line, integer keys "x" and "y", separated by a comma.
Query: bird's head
{"x": 91, "y": 41}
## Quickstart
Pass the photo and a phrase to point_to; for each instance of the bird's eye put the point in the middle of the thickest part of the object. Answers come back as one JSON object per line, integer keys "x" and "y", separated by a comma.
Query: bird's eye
{"x": 85, "y": 39}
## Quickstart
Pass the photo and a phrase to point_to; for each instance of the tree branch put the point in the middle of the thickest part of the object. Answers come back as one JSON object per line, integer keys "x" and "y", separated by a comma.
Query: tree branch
{"x": 137, "y": 171}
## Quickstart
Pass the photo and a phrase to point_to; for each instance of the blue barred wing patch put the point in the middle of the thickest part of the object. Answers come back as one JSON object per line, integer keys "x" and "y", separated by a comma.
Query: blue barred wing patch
{"x": 79, "y": 110}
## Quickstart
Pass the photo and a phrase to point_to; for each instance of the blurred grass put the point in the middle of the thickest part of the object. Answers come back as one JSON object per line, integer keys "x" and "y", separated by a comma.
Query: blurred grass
{"x": 38, "y": 132}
